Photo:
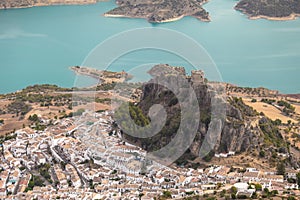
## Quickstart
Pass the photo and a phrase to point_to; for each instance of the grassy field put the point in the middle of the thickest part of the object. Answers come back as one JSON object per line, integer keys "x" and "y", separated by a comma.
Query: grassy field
{"x": 269, "y": 110}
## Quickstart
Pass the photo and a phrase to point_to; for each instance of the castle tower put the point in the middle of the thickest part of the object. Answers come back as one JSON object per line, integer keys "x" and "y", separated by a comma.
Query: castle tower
{"x": 197, "y": 76}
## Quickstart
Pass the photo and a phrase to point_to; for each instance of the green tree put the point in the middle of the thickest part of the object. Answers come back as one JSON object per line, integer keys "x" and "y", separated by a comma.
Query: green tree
{"x": 91, "y": 184}
{"x": 233, "y": 190}
{"x": 298, "y": 178}
{"x": 281, "y": 168}
{"x": 211, "y": 198}
{"x": 233, "y": 196}
{"x": 223, "y": 192}
{"x": 167, "y": 194}
{"x": 262, "y": 154}
{"x": 254, "y": 195}
{"x": 33, "y": 118}
{"x": 79, "y": 112}
{"x": 266, "y": 190}
{"x": 140, "y": 195}
{"x": 274, "y": 193}
{"x": 291, "y": 198}
{"x": 277, "y": 122}
{"x": 258, "y": 187}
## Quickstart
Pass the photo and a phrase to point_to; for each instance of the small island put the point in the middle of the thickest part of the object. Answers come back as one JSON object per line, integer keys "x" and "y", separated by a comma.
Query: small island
{"x": 160, "y": 11}
{"x": 269, "y": 9}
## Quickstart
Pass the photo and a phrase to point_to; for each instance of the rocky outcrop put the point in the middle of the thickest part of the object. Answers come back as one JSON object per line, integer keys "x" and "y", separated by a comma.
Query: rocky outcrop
{"x": 6, "y": 4}
{"x": 237, "y": 134}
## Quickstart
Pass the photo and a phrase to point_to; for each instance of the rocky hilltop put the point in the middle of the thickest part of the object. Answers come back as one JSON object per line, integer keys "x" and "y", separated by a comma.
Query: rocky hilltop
{"x": 269, "y": 9}
{"x": 244, "y": 129}
{"x": 5, "y": 4}
{"x": 158, "y": 11}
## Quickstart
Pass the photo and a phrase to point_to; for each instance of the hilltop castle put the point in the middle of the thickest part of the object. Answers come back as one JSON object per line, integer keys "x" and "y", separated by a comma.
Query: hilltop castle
{"x": 196, "y": 77}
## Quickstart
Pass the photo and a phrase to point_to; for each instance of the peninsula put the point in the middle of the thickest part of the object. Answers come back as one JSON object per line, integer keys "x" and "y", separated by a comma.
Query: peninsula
{"x": 6, "y": 4}
{"x": 159, "y": 11}
{"x": 269, "y": 9}
{"x": 105, "y": 77}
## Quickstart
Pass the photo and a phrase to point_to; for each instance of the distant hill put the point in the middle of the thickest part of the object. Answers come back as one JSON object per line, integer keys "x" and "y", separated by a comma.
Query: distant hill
{"x": 270, "y": 9}
{"x": 5, "y": 4}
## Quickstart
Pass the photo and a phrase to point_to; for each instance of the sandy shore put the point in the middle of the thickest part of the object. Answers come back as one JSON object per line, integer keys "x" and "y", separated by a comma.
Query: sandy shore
{"x": 171, "y": 20}
{"x": 115, "y": 16}
{"x": 162, "y": 21}
{"x": 290, "y": 17}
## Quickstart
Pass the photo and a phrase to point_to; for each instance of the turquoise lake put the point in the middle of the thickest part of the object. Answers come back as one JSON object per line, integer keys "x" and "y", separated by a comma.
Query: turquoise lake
{"x": 38, "y": 45}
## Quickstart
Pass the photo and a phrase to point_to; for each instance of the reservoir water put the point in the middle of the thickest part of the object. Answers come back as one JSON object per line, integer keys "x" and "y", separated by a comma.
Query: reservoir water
{"x": 38, "y": 45}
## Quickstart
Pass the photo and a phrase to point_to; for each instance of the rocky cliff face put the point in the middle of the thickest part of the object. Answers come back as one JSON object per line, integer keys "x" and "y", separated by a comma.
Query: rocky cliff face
{"x": 5, "y": 4}
{"x": 240, "y": 133}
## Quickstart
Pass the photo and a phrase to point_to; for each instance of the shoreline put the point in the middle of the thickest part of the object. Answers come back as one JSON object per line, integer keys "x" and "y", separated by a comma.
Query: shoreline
{"x": 162, "y": 21}
{"x": 292, "y": 16}
{"x": 132, "y": 17}
{"x": 117, "y": 16}
{"x": 171, "y": 19}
